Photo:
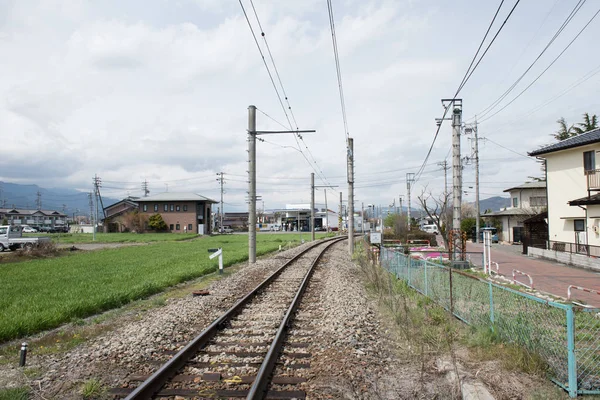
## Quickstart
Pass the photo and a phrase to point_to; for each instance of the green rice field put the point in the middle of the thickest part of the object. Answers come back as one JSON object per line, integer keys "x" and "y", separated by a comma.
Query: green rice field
{"x": 41, "y": 294}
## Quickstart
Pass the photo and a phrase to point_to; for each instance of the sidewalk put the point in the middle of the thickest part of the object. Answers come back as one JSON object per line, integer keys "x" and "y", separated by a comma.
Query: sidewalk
{"x": 548, "y": 276}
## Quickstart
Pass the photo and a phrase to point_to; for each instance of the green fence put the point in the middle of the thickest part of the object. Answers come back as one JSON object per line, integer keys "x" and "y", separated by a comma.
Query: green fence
{"x": 565, "y": 336}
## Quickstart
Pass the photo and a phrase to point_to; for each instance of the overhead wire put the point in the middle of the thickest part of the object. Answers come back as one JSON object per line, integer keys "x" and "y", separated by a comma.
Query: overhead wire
{"x": 467, "y": 76}
{"x": 544, "y": 71}
{"x": 297, "y": 136}
{"x": 562, "y": 27}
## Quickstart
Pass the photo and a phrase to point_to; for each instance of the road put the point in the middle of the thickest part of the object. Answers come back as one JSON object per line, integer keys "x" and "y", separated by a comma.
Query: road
{"x": 548, "y": 276}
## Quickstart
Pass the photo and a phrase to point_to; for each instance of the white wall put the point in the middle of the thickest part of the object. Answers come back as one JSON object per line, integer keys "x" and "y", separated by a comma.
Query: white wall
{"x": 566, "y": 182}
{"x": 524, "y": 195}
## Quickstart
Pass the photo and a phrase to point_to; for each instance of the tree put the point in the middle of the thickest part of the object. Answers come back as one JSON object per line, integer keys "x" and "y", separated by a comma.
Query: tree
{"x": 588, "y": 124}
{"x": 157, "y": 223}
{"x": 564, "y": 131}
{"x": 437, "y": 211}
{"x": 133, "y": 221}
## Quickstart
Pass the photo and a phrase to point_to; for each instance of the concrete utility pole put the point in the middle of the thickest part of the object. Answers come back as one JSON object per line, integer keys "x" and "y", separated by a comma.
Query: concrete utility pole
{"x": 445, "y": 167}
{"x": 221, "y": 181}
{"x": 326, "y": 213}
{"x": 252, "y": 184}
{"x": 91, "y": 204}
{"x": 400, "y": 203}
{"x": 252, "y": 134}
{"x": 362, "y": 218}
{"x": 340, "y": 216}
{"x": 473, "y": 129}
{"x": 312, "y": 206}
{"x": 97, "y": 182}
{"x": 38, "y": 200}
{"x": 456, "y": 164}
{"x": 351, "y": 196}
{"x": 145, "y": 188}
{"x": 410, "y": 178}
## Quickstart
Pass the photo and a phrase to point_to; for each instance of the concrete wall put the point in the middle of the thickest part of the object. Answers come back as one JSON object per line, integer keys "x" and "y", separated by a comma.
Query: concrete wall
{"x": 578, "y": 260}
{"x": 523, "y": 197}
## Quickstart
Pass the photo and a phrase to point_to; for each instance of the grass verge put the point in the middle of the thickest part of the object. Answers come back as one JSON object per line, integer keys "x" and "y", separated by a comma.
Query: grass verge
{"x": 15, "y": 394}
{"x": 37, "y": 295}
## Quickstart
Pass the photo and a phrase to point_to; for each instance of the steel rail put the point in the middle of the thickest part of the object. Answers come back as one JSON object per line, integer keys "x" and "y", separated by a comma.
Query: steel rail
{"x": 151, "y": 386}
{"x": 258, "y": 391}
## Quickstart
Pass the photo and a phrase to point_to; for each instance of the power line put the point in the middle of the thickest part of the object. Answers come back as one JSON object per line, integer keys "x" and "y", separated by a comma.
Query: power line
{"x": 569, "y": 18}
{"x": 465, "y": 79}
{"x": 546, "y": 69}
{"x": 337, "y": 68}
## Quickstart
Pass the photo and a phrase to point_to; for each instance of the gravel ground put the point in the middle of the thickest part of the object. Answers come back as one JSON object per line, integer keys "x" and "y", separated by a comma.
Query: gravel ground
{"x": 354, "y": 350}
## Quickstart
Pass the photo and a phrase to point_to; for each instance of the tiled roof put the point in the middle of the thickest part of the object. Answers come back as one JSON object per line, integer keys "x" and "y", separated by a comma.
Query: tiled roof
{"x": 529, "y": 185}
{"x": 590, "y": 137}
{"x": 508, "y": 212}
{"x": 593, "y": 199}
{"x": 174, "y": 196}
{"x": 30, "y": 212}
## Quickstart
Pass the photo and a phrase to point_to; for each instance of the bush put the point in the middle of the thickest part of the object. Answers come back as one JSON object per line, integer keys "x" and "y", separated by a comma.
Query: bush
{"x": 157, "y": 223}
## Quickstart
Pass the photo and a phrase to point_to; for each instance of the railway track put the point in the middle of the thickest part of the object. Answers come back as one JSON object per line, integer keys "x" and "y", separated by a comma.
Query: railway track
{"x": 255, "y": 350}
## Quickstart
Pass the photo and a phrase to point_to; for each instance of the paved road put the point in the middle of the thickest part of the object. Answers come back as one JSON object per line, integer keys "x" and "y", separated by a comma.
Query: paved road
{"x": 548, "y": 276}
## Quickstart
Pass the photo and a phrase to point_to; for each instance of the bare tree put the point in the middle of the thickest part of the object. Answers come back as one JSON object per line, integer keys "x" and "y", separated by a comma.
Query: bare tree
{"x": 437, "y": 210}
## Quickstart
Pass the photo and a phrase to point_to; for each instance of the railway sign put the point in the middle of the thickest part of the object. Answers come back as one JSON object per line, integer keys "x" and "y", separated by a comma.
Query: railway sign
{"x": 217, "y": 253}
{"x": 375, "y": 237}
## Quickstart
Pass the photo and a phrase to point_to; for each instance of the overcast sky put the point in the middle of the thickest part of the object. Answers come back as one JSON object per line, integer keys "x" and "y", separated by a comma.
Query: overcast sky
{"x": 158, "y": 90}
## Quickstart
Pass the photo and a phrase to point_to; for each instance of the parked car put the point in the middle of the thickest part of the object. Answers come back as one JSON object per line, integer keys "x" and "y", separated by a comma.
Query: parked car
{"x": 494, "y": 232}
{"x": 431, "y": 229}
{"x": 28, "y": 229}
{"x": 226, "y": 229}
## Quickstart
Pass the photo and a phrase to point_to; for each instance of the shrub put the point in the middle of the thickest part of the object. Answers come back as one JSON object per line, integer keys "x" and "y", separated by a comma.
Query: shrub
{"x": 157, "y": 223}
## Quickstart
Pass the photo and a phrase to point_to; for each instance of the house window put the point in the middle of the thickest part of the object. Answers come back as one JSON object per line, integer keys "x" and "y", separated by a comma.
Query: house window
{"x": 145, "y": 207}
{"x": 178, "y": 208}
{"x": 189, "y": 227}
{"x": 177, "y": 227}
{"x": 171, "y": 227}
{"x": 515, "y": 202}
{"x": 589, "y": 161}
{"x": 539, "y": 201}
{"x": 172, "y": 207}
{"x": 185, "y": 207}
{"x": 166, "y": 208}
{"x": 156, "y": 208}
{"x": 579, "y": 225}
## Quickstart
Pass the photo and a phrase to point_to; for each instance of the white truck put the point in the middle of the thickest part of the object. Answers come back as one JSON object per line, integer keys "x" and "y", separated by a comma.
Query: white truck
{"x": 11, "y": 237}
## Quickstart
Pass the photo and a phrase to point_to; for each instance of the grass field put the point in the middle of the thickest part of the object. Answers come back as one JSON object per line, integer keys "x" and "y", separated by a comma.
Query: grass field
{"x": 36, "y": 295}
{"x": 73, "y": 238}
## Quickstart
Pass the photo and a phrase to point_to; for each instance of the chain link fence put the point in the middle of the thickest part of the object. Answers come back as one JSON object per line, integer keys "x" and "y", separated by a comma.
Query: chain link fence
{"x": 566, "y": 337}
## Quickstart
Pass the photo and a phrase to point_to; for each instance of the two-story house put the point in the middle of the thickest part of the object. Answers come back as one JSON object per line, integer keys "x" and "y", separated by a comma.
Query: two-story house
{"x": 573, "y": 180}
{"x": 182, "y": 212}
{"x": 526, "y": 200}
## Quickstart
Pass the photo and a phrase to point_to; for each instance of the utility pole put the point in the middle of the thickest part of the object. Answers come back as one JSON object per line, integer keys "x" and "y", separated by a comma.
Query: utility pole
{"x": 400, "y": 203}
{"x": 252, "y": 134}
{"x": 351, "y": 196}
{"x": 340, "y": 216}
{"x": 221, "y": 181}
{"x": 410, "y": 178}
{"x": 472, "y": 128}
{"x": 97, "y": 182}
{"x": 362, "y": 218}
{"x": 252, "y": 184}
{"x": 38, "y": 200}
{"x": 326, "y": 212}
{"x": 145, "y": 188}
{"x": 312, "y": 206}
{"x": 91, "y": 204}
{"x": 445, "y": 167}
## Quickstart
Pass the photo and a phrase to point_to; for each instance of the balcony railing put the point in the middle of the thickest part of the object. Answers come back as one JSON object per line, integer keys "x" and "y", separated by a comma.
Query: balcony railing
{"x": 593, "y": 179}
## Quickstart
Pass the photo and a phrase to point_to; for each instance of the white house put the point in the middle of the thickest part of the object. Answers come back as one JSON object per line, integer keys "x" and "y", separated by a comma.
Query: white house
{"x": 526, "y": 200}
{"x": 573, "y": 190}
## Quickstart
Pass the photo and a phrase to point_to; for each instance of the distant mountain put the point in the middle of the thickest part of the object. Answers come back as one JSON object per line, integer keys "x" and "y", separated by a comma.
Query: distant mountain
{"x": 13, "y": 195}
{"x": 494, "y": 203}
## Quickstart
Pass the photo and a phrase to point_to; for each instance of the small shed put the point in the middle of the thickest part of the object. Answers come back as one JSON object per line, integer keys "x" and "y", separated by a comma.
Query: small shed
{"x": 535, "y": 231}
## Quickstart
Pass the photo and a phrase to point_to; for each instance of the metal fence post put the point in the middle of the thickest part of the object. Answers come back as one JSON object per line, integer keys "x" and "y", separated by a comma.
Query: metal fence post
{"x": 572, "y": 367}
{"x": 491, "y": 305}
{"x": 409, "y": 267}
{"x": 426, "y": 278}
{"x": 451, "y": 297}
